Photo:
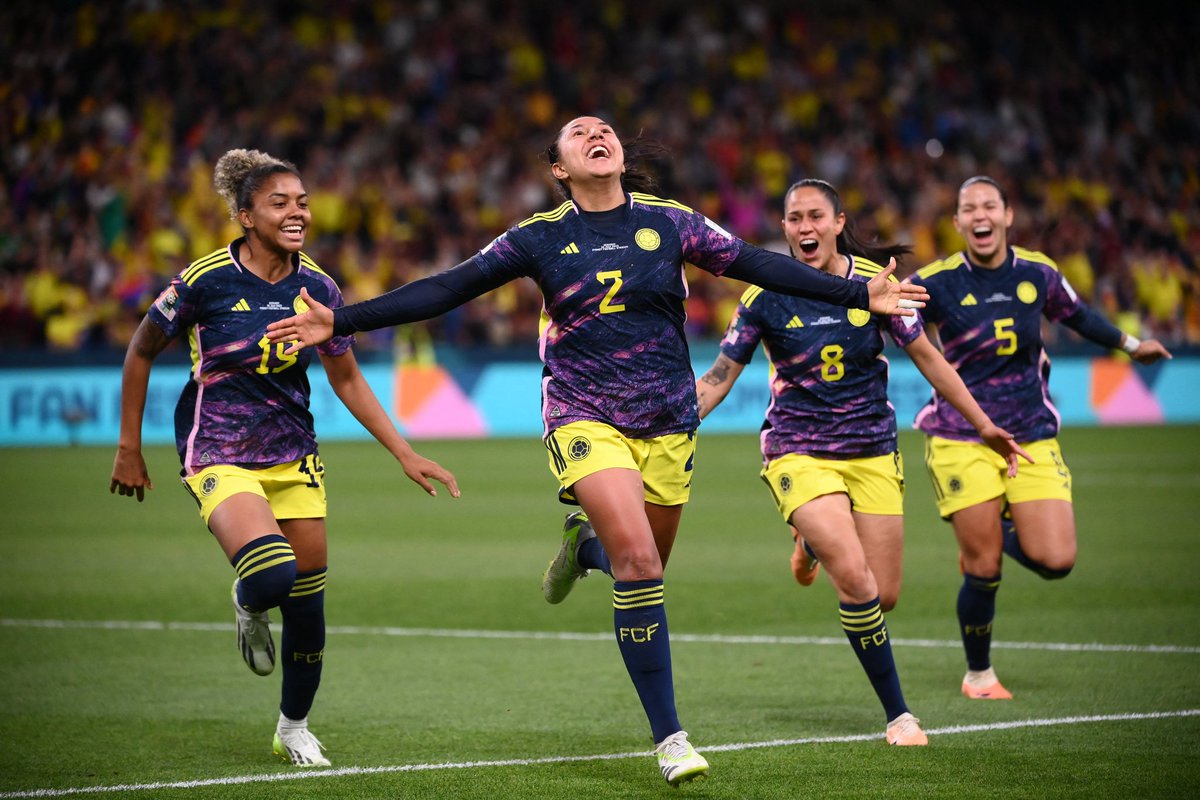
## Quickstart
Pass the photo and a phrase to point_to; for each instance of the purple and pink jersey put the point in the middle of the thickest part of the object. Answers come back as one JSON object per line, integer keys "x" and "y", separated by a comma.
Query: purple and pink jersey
{"x": 612, "y": 333}
{"x": 990, "y": 325}
{"x": 829, "y": 376}
{"x": 246, "y": 402}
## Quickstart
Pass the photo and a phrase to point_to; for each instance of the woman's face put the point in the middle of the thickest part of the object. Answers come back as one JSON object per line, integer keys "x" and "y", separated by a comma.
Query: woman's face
{"x": 811, "y": 228}
{"x": 279, "y": 215}
{"x": 983, "y": 219}
{"x": 588, "y": 149}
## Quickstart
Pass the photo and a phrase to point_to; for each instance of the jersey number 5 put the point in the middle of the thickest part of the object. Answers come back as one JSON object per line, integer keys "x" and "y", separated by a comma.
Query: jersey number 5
{"x": 1006, "y": 337}
{"x": 283, "y": 359}
{"x": 607, "y": 306}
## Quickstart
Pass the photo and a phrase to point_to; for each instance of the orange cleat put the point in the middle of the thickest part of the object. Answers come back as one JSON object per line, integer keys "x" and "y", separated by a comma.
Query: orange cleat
{"x": 805, "y": 566}
{"x": 984, "y": 685}
{"x": 905, "y": 731}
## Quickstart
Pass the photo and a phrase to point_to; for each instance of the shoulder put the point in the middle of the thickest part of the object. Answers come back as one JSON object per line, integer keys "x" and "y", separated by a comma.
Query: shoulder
{"x": 649, "y": 201}
{"x": 204, "y": 268}
{"x": 547, "y": 217}
{"x": 867, "y": 269}
{"x": 946, "y": 265}
{"x": 1034, "y": 257}
{"x": 750, "y": 295}
{"x": 310, "y": 266}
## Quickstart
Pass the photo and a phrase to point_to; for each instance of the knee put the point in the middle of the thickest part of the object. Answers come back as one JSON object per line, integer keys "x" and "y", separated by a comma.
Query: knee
{"x": 266, "y": 570}
{"x": 1053, "y": 571}
{"x": 637, "y": 565}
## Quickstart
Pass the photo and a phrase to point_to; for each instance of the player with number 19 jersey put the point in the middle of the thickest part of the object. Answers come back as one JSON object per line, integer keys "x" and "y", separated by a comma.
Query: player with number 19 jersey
{"x": 989, "y": 323}
{"x": 829, "y": 387}
{"x": 246, "y": 403}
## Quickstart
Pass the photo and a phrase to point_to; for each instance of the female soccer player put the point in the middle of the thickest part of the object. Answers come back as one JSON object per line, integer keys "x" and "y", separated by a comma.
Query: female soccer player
{"x": 829, "y": 443}
{"x": 618, "y": 394}
{"x": 243, "y": 429}
{"x": 988, "y": 304}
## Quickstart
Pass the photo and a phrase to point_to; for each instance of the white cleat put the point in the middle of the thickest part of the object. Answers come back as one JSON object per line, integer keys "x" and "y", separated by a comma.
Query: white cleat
{"x": 254, "y": 637}
{"x": 300, "y": 747}
{"x": 679, "y": 761}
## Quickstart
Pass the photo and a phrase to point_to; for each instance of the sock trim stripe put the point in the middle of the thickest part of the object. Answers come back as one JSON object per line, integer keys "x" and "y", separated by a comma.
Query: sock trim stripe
{"x": 643, "y": 604}
{"x": 860, "y": 613}
{"x": 266, "y": 551}
{"x": 634, "y": 594}
{"x": 247, "y": 572}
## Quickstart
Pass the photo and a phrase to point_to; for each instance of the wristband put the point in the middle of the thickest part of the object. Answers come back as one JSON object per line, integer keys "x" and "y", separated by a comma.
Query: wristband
{"x": 1130, "y": 343}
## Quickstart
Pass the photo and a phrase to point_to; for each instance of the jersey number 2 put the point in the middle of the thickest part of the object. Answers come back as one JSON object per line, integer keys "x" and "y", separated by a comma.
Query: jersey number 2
{"x": 607, "y": 306}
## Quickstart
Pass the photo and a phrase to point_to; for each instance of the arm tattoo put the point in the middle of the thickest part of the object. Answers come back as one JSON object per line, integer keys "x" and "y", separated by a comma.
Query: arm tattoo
{"x": 718, "y": 374}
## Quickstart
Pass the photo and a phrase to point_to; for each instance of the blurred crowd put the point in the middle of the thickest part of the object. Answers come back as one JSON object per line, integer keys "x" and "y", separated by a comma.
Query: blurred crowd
{"x": 420, "y": 129}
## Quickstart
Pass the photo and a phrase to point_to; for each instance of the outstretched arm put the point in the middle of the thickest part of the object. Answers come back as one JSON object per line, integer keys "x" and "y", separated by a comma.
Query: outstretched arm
{"x": 949, "y": 384}
{"x": 129, "y": 474}
{"x": 351, "y": 388}
{"x": 714, "y": 385}
{"x": 422, "y": 299}
{"x": 1092, "y": 326}
{"x": 780, "y": 273}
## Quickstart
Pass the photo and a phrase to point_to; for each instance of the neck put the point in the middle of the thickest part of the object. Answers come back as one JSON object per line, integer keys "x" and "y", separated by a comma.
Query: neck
{"x": 995, "y": 261}
{"x": 600, "y": 196}
{"x": 265, "y": 262}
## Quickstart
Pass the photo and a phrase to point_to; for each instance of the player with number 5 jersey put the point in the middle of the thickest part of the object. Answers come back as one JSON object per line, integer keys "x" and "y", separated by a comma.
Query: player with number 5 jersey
{"x": 987, "y": 309}
{"x": 244, "y": 431}
{"x": 618, "y": 395}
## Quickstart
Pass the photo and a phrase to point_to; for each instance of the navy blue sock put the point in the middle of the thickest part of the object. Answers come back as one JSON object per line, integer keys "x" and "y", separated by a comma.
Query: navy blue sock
{"x": 592, "y": 555}
{"x": 303, "y": 646}
{"x": 640, "y": 622}
{"x": 868, "y": 634}
{"x": 266, "y": 569}
{"x": 976, "y": 609}
{"x": 1012, "y": 546}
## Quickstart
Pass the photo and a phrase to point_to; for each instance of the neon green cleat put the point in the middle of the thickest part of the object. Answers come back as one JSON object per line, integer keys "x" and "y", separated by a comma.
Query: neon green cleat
{"x": 299, "y": 747}
{"x": 679, "y": 761}
{"x": 254, "y": 637}
{"x": 559, "y": 578}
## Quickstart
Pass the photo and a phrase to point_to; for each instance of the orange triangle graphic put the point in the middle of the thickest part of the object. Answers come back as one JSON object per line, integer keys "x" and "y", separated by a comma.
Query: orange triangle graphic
{"x": 1108, "y": 375}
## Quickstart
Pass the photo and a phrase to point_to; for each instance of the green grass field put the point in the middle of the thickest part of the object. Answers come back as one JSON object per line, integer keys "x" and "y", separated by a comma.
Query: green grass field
{"x": 448, "y": 676}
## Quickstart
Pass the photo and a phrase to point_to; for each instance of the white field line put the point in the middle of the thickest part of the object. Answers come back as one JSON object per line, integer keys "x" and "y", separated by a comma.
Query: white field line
{"x": 525, "y": 762}
{"x": 465, "y": 633}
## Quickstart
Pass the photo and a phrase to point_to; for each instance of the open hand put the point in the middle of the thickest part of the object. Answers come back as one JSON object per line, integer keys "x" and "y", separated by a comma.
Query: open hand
{"x": 303, "y": 330}
{"x": 892, "y": 297}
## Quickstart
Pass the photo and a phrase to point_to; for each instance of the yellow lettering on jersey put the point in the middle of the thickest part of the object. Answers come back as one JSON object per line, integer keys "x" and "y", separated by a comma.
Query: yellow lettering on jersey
{"x": 607, "y": 306}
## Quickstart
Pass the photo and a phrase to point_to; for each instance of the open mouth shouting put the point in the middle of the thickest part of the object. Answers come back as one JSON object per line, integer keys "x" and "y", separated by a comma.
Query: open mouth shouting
{"x": 808, "y": 247}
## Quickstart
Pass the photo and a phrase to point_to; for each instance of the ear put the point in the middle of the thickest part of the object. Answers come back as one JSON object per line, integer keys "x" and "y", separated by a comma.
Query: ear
{"x": 840, "y": 225}
{"x": 558, "y": 172}
{"x": 244, "y": 219}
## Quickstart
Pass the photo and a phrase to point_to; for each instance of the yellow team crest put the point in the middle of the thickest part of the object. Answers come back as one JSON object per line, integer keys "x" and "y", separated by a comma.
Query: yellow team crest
{"x": 858, "y": 317}
{"x": 1026, "y": 292}
{"x": 647, "y": 239}
{"x": 299, "y": 305}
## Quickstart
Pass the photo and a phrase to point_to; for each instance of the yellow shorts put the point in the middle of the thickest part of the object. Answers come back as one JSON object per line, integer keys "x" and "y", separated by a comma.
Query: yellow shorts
{"x": 294, "y": 491}
{"x": 874, "y": 485}
{"x": 579, "y": 449}
{"x": 968, "y": 473}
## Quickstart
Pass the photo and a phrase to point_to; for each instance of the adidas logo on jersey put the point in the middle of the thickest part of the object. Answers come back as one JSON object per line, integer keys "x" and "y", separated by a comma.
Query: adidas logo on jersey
{"x": 969, "y": 300}
{"x": 240, "y": 305}
{"x": 569, "y": 249}
{"x": 795, "y": 322}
